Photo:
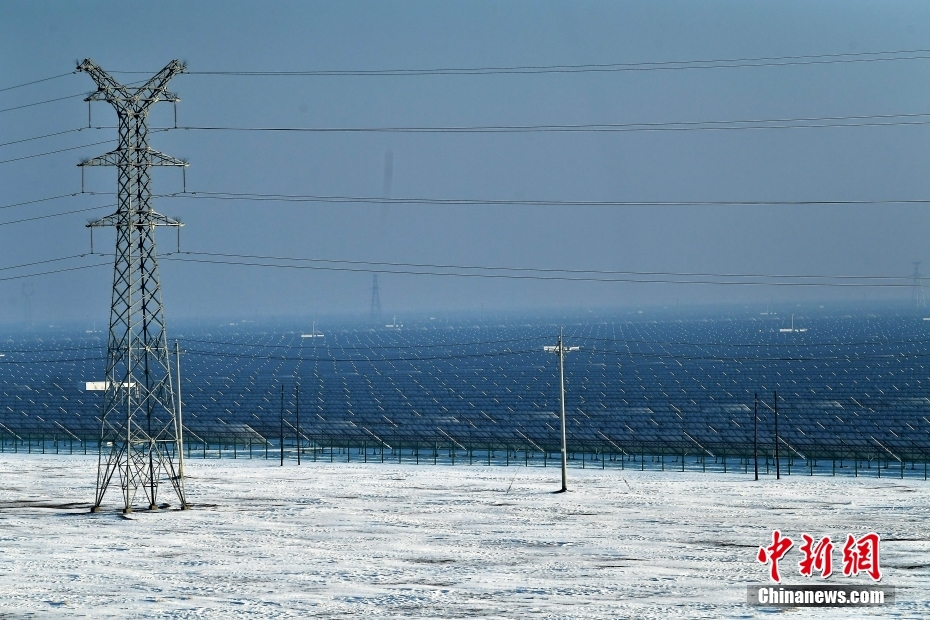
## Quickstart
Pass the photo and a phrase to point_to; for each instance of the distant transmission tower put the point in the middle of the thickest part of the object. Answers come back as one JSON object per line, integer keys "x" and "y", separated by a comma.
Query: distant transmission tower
{"x": 375, "y": 301}
{"x": 917, "y": 296}
{"x": 139, "y": 440}
{"x": 382, "y": 218}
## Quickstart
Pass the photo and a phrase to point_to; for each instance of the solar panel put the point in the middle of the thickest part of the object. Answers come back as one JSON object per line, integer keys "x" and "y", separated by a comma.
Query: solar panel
{"x": 846, "y": 385}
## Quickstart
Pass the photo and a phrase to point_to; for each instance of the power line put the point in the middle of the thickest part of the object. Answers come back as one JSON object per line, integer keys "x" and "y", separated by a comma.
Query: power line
{"x": 70, "y": 148}
{"x": 574, "y": 338}
{"x": 719, "y": 358}
{"x": 83, "y": 359}
{"x": 547, "y": 270}
{"x": 43, "y": 262}
{"x": 35, "y": 103}
{"x": 673, "y": 65}
{"x": 48, "y": 135}
{"x": 45, "y": 273}
{"x": 505, "y": 202}
{"x": 489, "y": 202}
{"x": 54, "y": 77}
{"x": 45, "y": 217}
{"x": 60, "y": 196}
{"x": 881, "y": 343}
{"x": 356, "y": 360}
{"x": 919, "y": 119}
{"x": 881, "y": 120}
{"x": 371, "y": 348}
{"x": 533, "y": 277}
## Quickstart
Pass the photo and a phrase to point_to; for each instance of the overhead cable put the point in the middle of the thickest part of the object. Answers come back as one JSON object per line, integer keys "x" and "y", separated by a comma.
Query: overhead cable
{"x": 70, "y": 148}
{"x": 54, "y": 77}
{"x": 371, "y": 348}
{"x": 48, "y": 135}
{"x": 32, "y": 202}
{"x": 35, "y": 103}
{"x": 356, "y": 360}
{"x": 50, "y": 215}
{"x": 254, "y": 197}
{"x": 506, "y": 276}
{"x": 583, "y": 339}
{"x": 909, "y": 279}
{"x": 671, "y": 65}
{"x": 875, "y": 120}
{"x": 43, "y": 262}
{"x": 45, "y": 273}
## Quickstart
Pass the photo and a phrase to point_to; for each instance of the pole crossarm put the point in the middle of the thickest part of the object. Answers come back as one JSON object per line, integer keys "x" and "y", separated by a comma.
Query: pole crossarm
{"x": 141, "y": 433}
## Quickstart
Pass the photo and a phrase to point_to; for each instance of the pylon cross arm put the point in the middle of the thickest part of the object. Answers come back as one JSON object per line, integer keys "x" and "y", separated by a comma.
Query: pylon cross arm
{"x": 160, "y": 159}
{"x": 108, "y": 89}
{"x": 111, "y": 91}
{"x": 107, "y": 159}
{"x": 151, "y": 158}
{"x": 143, "y": 218}
{"x": 155, "y": 89}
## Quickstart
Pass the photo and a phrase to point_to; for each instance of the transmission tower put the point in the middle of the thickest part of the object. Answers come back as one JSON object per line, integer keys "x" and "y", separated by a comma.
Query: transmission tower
{"x": 375, "y": 301}
{"x": 140, "y": 435}
{"x": 917, "y": 295}
{"x": 375, "y": 315}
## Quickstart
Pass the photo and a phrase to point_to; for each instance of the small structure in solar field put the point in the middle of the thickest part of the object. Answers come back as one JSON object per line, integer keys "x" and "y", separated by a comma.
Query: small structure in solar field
{"x": 394, "y": 324}
{"x": 917, "y": 294}
{"x": 313, "y": 333}
{"x": 792, "y": 329}
{"x": 560, "y": 350}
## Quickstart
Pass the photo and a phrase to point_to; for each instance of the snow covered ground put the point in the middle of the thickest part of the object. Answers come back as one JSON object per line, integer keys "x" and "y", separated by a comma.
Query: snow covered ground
{"x": 388, "y": 540}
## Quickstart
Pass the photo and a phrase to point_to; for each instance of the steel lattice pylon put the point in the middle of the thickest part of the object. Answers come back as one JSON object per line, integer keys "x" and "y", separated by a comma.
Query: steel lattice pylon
{"x": 139, "y": 438}
{"x": 375, "y": 314}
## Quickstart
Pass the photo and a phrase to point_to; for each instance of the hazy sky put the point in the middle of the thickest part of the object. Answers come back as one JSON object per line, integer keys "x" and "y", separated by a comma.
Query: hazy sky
{"x": 43, "y": 39}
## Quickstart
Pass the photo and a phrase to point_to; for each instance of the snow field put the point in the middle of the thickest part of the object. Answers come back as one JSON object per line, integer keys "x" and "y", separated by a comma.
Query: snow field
{"x": 424, "y": 541}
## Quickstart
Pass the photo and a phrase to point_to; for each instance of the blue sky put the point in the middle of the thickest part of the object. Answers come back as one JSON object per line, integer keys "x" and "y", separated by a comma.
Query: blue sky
{"x": 42, "y": 39}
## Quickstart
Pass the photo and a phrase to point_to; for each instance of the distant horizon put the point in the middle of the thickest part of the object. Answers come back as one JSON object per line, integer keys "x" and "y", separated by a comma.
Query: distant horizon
{"x": 542, "y": 315}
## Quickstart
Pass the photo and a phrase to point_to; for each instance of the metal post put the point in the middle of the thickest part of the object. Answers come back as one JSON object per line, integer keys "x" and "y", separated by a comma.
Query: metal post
{"x": 562, "y": 412}
{"x": 177, "y": 368}
{"x": 282, "y": 425}
{"x": 755, "y": 434}
{"x": 297, "y": 414}
{"x": 777, "y": 461}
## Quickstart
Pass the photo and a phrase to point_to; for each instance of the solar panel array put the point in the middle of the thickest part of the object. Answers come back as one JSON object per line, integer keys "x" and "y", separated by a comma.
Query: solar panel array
{"x": 847, "y": 385}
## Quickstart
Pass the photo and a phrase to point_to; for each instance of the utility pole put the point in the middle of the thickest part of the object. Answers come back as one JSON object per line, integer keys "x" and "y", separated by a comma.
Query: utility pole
{"x": 755, "y": 433}
{"x": 560, "y": 350}
{"x": 140, "y": 431}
